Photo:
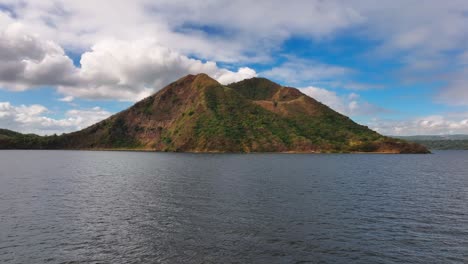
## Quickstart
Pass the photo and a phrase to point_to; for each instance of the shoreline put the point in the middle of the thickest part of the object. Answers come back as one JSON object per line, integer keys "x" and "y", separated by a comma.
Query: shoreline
{"x": 221, "y": 152}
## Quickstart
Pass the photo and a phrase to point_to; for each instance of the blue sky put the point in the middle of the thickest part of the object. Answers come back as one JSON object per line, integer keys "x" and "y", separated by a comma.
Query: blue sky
{"x": 395, "y": 66}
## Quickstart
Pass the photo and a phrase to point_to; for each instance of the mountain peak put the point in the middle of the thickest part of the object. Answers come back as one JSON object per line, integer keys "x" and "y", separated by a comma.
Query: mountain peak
{"x": 256, "y": 88}
{"x": 198, "y": 114}
{"x": 204, "y": 79}
{"x": 193, "y": 81}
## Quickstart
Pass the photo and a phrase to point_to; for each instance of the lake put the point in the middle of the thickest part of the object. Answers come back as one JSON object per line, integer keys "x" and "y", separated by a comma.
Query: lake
{"x": 142, "y": 207}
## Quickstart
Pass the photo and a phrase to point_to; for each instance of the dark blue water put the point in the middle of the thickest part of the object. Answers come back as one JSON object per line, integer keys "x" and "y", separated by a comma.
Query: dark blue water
{"x": 130, "y": 207}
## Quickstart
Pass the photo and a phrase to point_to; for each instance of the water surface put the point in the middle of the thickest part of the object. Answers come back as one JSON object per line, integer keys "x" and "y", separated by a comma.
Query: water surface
{"x": 135, "y": 207}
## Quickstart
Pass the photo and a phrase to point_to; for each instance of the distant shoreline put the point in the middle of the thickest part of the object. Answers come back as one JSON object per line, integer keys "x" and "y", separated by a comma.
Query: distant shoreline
{"x": 444, "y": 142}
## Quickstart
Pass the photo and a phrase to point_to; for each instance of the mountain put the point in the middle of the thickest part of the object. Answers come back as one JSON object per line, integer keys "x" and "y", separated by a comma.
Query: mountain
{"x": 442, "y": 142}
{"x": 197, "y": 114}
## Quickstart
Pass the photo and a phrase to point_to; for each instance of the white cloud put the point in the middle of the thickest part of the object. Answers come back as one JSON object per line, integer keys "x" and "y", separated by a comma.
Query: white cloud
{"x": 112, "y": 69}
{"x": 227, "y": 77}
{"x": 27, "y": 61}
{"x": 350, "y": 104}
{"x": 80, "y": 24}
{"x": 452, "y": 123}
{"x": 132, "y": 70}
{"x": 422, "y": 39}
{"x": 33, "y": 119}
{"x": 398, "y": 24}
{"x": 404, "y": 25}
{"x": 308, "y": 17}
{"x": 67, "y": 99}
{"x": 298, "y": 71}
{"x": 327, "y": 97}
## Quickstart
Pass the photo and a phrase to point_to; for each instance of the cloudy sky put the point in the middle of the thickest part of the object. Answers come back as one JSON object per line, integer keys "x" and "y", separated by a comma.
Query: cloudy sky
{"x": 398, "y": 66}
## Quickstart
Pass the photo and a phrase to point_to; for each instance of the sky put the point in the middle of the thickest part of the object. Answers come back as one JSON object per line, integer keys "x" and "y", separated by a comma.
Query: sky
{"x": 397, "y": 66}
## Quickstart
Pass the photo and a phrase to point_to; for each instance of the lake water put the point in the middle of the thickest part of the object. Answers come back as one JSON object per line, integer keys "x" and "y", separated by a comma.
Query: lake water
{"x": 136, "y": 207}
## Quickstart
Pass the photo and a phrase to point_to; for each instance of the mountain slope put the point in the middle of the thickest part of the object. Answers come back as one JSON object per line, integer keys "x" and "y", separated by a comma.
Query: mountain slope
{"x": 197, "y": 114}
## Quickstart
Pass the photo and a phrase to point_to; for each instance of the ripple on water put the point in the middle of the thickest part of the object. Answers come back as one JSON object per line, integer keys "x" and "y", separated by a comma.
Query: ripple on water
{"x": 127, "y": 207}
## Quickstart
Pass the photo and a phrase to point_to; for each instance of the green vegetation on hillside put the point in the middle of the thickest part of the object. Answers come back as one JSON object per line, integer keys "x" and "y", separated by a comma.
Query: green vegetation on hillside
{"x": 256, "y": 88}
{"x": 198, "y": 114}
{"x": 14, "y": 140}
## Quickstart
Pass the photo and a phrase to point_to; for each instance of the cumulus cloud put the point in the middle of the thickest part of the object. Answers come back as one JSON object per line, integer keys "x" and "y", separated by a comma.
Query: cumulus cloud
{"x": 226, "y": 77}
{"x": 112, "y": 69}
{"x": 33, "y": 119}
{"x": 80, "y": 24}
{"x": 399, "y": 24}
{"x": 132, "y": 70}
{"x": 452, "y": 123}
{"x": 350, "y": 104}
{"x": 27, "y": 61}
{"x": 423, "y": 39}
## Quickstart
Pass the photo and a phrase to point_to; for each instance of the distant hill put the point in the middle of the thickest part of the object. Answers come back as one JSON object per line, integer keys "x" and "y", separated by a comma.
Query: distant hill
{"x": 443, "y": 142}
{"x": 197, "y": 114}
{"x": 436, "y": 137}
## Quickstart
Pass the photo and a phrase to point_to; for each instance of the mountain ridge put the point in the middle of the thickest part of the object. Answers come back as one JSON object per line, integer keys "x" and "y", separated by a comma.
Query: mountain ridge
{"x": 197, "y": 114}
